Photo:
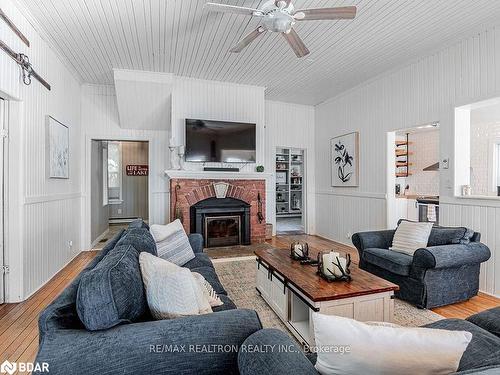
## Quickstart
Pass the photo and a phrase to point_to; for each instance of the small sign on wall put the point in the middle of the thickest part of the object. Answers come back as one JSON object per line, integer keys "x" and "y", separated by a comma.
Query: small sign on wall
{"x": 137, "y": 170}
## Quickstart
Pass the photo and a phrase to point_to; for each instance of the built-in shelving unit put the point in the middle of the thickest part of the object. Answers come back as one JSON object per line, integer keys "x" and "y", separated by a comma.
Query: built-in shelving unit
{"x": 289, "y": 182}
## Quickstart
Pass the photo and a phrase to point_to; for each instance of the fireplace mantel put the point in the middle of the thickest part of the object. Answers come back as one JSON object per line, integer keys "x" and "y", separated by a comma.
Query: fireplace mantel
{"x": 217, "y": 175}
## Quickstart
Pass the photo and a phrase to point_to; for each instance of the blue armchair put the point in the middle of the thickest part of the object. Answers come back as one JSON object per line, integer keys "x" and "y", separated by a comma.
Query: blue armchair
{"x": 445, "y": 272}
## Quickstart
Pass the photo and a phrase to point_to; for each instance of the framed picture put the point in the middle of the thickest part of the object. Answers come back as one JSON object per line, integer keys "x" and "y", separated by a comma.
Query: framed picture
{"x": 345, "y": 160}
{"x": 58, "y": 148}
{"x": 281, "y": 178}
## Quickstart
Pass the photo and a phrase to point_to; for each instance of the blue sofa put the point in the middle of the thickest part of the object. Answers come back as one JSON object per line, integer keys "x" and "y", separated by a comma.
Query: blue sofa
{"x": 482, "y": 356}
{"x": 177, "y": 346}
{"x": 445, "y": 272}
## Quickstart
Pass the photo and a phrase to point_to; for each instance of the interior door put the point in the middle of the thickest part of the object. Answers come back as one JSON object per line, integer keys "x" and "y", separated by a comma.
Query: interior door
{"x": 3, "y": 127}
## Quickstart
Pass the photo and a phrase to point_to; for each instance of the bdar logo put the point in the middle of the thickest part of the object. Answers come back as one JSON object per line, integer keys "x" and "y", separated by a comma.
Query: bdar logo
{"x": 8, "y": 368}
{"x": 11, "y": 367}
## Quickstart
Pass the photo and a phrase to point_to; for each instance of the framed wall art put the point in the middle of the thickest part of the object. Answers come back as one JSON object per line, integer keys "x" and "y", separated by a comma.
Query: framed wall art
{"x": 345, "y": 160}
{"x": 58, "y": 149}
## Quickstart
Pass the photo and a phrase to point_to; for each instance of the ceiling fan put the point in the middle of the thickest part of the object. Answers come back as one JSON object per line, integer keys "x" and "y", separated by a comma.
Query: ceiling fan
{"x": 280, "y": 16}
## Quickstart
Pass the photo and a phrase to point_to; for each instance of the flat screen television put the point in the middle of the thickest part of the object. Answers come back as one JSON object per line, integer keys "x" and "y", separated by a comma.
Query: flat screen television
{"x": 220, "y": 141}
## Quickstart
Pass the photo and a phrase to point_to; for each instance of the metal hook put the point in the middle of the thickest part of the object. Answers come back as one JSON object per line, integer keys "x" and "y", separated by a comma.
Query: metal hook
{"x": 26, "y": 67}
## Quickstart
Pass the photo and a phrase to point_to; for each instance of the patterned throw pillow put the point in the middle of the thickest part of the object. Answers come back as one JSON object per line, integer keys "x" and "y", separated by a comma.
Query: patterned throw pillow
{"x": 172, "y": 243}
{"x": 411, "y": 236}
{"x": 171, "y": 291}
{"x": 209, "y": 292}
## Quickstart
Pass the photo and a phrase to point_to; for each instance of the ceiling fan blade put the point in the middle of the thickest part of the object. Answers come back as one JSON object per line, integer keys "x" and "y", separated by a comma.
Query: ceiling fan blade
{"x": 224, "y": 8}
{"x": 296, "y": 43}
{"x": 247, "y": 40}
{"x": 338, "y": 13}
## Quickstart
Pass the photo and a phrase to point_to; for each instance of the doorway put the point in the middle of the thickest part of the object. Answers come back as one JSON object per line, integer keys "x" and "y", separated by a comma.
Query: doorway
{"x": 3, "y": 129}
{"x": 413, "y": 156}
{"x": 290, "y": 190}
{"x": 119, "y": 187}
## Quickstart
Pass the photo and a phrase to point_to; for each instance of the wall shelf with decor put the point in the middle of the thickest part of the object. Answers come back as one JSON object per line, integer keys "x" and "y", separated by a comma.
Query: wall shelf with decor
{"x": 403, "y": 153}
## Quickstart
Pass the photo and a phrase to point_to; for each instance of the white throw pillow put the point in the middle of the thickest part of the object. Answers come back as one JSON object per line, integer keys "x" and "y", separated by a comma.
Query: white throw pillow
{"x": 209, "y": 292}
{"x": 172, "y": 243}
{"x": 171, "y": 291}
{"x": 346, "y": 346}
{"x": 411, "y": 236}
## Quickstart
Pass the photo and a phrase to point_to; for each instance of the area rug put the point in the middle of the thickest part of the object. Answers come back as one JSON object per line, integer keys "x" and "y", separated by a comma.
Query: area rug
{"x": 235, "y": 251}
{"x": 238, "y": 278}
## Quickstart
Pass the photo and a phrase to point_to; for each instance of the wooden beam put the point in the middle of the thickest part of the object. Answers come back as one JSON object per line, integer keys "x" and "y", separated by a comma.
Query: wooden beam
{"x": 14, "y": 28}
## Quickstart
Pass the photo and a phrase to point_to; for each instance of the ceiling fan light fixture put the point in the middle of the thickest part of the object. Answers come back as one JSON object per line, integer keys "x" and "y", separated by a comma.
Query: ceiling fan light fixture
{"x": 279, "y": 16}
{"x": 299, "y": 15}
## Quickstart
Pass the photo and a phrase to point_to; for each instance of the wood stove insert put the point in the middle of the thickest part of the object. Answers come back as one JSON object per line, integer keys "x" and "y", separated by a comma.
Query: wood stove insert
{"x": 221, "y": 221}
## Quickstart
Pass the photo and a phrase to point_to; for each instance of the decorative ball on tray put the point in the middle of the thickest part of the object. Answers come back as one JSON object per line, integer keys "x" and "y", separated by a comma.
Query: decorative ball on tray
{"x": 334, "y": 266}
{"x": 299, "y": 250}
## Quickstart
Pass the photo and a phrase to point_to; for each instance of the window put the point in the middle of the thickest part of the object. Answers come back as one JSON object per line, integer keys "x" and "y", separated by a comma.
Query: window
{"x": 114, "y": 173}
{"x": 477, "y": 149}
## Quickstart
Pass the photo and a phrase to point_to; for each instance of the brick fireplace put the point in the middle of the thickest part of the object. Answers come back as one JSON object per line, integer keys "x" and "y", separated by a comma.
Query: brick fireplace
{"x": 234, "y": 206}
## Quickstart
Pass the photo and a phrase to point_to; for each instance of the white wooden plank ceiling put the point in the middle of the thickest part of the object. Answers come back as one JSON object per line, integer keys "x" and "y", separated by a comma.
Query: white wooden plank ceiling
{"x": 178, "y": 36}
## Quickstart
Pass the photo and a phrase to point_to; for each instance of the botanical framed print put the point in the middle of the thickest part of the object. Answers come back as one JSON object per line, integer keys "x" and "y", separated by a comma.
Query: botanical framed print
{"x": 58, "y": 148}
{"x": 345, "y": 160}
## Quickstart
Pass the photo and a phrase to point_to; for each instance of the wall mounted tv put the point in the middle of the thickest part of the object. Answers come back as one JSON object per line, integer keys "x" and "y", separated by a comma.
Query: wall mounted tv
{"x": 220, "y": 141}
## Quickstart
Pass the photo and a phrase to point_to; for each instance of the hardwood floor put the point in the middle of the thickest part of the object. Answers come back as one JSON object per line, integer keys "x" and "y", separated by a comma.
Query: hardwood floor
{"x": 19, "y": 322}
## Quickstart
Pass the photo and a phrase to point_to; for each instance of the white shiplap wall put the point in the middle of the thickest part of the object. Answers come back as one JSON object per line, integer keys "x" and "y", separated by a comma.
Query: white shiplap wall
{"x": 48, "y": 210}
{"x": 290, "y": 125}
{"x": 211, "y": 100}
{"x": 278, "y": 124}
{"x": 191, "y": 98}
{"x": 425, "y": 91}
{"x": 100, "y": 121}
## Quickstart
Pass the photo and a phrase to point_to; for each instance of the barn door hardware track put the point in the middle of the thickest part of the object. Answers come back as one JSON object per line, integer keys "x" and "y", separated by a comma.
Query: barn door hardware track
{"x": 14, "y": 28}
{"x": 25, "y": 64}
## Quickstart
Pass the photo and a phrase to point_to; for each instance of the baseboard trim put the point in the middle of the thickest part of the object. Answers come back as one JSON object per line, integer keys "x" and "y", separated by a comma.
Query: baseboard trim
{"x": 50, "y": 278}
{"x": 124, "y": 220}
{"x": 489, "y": 294}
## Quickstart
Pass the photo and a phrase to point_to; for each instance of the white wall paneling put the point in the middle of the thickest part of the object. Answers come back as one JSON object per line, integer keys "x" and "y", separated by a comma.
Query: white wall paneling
{"x": 428, "y": 90}
{"x": 100, "y": 121}
{"x": 484, "y": 218}
{"x": 278, "y": 124}
{"x": 210, "y": 100}
{"x": 290, "y": 125}
{"x": 43, "y": 214}
{"x": 144, "y": 99}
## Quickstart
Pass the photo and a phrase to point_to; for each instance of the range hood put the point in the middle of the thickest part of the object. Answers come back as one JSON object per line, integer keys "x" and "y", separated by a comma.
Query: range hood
{"x": 433, "y": 167}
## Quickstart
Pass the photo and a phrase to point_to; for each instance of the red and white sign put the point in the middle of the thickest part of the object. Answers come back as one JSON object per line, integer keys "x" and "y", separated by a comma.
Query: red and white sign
{"x": 137, "y": 170}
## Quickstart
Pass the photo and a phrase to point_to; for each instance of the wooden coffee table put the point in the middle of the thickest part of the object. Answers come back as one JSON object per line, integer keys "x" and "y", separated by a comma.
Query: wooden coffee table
{"x": 294, "y": 291}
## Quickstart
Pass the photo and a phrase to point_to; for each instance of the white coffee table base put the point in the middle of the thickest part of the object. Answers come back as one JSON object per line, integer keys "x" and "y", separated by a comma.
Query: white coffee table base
{"x": 295, "y": 309}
